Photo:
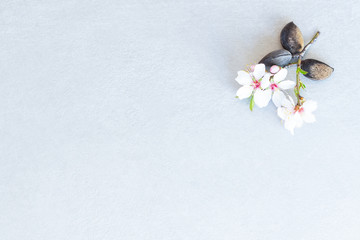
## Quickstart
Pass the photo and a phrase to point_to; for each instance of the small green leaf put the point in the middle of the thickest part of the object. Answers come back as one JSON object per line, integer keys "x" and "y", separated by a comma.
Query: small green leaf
{"x": 303, "y": 72}
{"x": 252, "y": 103}
{"x": 302, "y": 85}
{"x": 236, "y": 97}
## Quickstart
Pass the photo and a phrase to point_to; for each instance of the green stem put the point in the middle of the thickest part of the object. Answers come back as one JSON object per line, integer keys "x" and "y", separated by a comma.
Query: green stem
{"x": 297, "y": 86}
{"x": 299, "y": 57}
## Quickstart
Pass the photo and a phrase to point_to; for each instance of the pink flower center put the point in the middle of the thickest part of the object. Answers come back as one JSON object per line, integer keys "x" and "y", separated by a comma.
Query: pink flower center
{"x": 257, "y": 84}
{"x": 299, "y": 109}
{"x": 273, "y": 86}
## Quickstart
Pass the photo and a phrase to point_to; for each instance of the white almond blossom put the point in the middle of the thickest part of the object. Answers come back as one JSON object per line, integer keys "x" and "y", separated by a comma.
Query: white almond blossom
{"x": 255, "y": 83}
{"x": 278, "y": 84}
{"x": 294, "y": 115}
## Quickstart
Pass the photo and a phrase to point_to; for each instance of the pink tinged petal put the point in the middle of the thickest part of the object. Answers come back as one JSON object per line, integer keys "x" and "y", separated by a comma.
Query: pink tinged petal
{"x": 290, "y": 124}
{"x": 244, "y": 78}
{"x": 287, "y": 84}
{"x": 309, "y": 106}
{"x": 262, "y": 97}
{"x": 278, "y": 97}
{"x": 298, "y": 120}
{"x": 281, "y": 75}
{"x": 274, "y": 69}
{"x": 259, "y": 71}
{"x": 308, "y": 117}
{"x": 265, "y": 82}
{"x": 244, "y": 92}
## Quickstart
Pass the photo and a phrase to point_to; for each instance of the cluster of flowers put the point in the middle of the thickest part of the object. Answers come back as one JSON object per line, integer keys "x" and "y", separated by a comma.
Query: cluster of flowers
{"x": 262, "y": 86}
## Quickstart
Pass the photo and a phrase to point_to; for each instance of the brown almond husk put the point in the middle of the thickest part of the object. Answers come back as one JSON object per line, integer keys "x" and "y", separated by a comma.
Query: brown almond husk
{"x": 316, "y": 70}
{"x": 291, "y": 38}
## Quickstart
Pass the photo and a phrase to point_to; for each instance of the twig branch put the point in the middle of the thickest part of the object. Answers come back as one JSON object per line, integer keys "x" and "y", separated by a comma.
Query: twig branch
{"x": 302, "y": 53}
{"x": 297, "y": 86}
{"x": 297, "y": 60}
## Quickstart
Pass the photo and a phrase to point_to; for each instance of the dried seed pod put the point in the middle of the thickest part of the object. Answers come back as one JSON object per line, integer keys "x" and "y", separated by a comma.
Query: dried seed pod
{"x": 279, "y": 57}
{"x": 291, "y": 38}
{"x": 316, "y": 70}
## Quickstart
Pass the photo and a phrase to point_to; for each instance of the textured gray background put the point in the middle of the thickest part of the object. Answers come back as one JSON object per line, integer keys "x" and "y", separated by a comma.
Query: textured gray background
{"x": 118, "y": 121}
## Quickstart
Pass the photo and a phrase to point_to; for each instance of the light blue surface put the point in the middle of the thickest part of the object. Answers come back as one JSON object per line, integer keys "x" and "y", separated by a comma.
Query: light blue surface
{"x": 118, "y": 121}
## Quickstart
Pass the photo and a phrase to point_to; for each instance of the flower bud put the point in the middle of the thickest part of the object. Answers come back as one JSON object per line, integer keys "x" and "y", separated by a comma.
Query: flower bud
{"x": 315, "y": 69}
{"x": 291, "y": 38}
{"x": 279, "y": 57}
{"x": 274, "y": 69}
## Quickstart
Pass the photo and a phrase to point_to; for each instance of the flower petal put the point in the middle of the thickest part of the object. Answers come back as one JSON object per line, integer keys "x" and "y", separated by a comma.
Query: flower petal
{"x": 262, "y": 97}
{"x": 298, "y": 119}
{"x": 259, "y": 71}
{"x": 244, "y": 92}
{"x": 281, "y": 75}
{"x": 243, "y": 78}
{"x": 308, "y": 117}
{"x": 309, "y": 106}
{"x": 282, "y": 113}
{"x": 288, "y": 103}
{"x": 290, "y": 124}
{"x": 287, "y": 84}
{"x": 265, "y": 82}
{"x": 278, "y": 97}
